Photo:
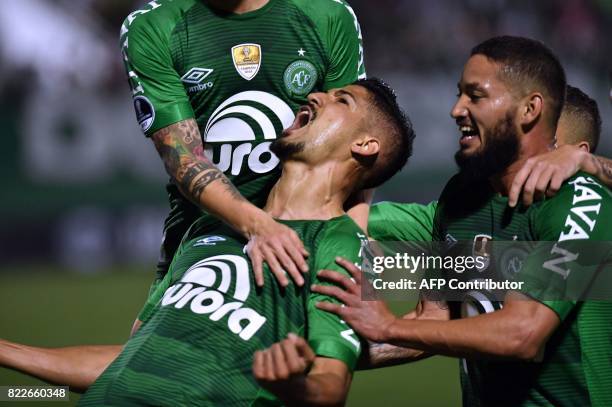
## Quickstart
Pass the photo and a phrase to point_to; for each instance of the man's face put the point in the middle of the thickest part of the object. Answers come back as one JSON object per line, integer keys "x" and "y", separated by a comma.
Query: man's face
{"x": 325, "y": 127}
{"x": 485, "y": 112}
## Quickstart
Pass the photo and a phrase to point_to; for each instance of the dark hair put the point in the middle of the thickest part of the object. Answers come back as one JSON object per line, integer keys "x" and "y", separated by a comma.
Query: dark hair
{"x": 395, "y": 129}
{"x": 529, "y": 65}
{"x": 584, "y": 116}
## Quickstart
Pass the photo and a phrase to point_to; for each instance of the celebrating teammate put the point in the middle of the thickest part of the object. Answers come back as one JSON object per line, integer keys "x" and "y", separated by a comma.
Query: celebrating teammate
{"x": 557, "y": 349}
{"x": 197, "y": 344}
{"x": 213, "y": 84}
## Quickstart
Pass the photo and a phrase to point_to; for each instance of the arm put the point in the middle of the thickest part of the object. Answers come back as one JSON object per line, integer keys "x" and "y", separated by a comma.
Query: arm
{"x": 74, "y": 366}
{"x": 165, "y": 114}
{"x": 543, "y": 175}
{"x": 290, "y": 370}
{"x": 519, "y": 330}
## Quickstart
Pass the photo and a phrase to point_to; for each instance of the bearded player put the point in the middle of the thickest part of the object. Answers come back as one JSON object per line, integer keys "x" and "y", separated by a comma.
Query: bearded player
{"x": 538, "y": 346}
{"x": 197, "y": 344}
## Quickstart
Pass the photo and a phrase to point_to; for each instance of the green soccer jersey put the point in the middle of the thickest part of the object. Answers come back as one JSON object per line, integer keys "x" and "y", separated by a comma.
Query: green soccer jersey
{"x": 241, "y": 76}
{"x": 197, "y": 345}
{"x": 392, "y": 221}
{"x": 576, "y": 367}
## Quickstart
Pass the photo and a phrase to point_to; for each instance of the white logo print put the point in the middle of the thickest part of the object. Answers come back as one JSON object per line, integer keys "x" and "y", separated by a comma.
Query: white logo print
{"x": 216, "y": 273}
{"x": 228, "y": 124}
{"x": 196, "y": 75}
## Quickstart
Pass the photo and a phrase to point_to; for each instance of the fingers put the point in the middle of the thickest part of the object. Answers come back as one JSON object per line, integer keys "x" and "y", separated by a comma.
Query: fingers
{"x": 331, "y": 307}
{"x": 302, "y": 348}
{"x": 257, "y": 261}
{"x": 518, "y": 182}
{"x": 282, "y": 360}
{"x": 351, "y": 268}
{"x": 541, "y": 185}
{"x": 340, "y": 279}
{"x": 288, "y": 264}
{"x": 275, "y": 266}
{"x": 281, "y": 367}
{"x": 530, "y": 184}
{"x": 336, "y": 292}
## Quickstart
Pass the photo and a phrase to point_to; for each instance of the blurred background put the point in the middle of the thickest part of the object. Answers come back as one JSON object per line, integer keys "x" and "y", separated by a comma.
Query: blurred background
{"x": 83, "y": 202}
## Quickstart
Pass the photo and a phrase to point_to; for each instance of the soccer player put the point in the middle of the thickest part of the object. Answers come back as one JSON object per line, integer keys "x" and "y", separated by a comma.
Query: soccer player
{"x": 579, "y": 125}
{"x": 196, "y": 346}
{"x": 580, "y": 122}
{"x": 538, "y": 347}
{"x": 213, "y": 84}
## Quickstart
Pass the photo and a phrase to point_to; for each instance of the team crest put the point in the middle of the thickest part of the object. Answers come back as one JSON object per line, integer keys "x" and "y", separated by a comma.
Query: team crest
{"x": 482, "y": 248}
{"x": 300, "y": 77}
{"x": 247, "y": 59}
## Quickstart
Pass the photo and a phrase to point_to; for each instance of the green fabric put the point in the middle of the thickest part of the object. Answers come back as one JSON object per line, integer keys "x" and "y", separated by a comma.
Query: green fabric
{"x": 163, "y": 43}
{"x": 392, "y": 221}
{"x": 197, "y": 345}
{"x": 576, "y": 368}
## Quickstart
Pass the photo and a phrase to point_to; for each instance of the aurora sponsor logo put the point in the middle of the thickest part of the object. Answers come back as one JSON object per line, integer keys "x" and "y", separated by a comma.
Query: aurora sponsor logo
{"x": 207, "y": 284}
{"x": 246, "y": 117}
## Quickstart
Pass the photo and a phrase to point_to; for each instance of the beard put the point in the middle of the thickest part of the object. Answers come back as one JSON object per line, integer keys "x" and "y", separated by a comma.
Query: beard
{"x": 500, "y": 149}
{"x": 285, "y": 149}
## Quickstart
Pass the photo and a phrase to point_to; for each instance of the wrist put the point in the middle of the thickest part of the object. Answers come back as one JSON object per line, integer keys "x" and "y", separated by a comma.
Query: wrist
{"x": 389, "y": 332}
{"x": 252, "y": 220}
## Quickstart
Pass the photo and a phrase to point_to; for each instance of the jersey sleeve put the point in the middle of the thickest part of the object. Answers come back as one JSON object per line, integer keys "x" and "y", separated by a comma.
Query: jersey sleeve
{"x": 343, "y": 40}
{"x": 393, "y": 221}
{"x": 572, "y": 230}
{"x": 157, "y": 91}
{"x": 327, "y": 334}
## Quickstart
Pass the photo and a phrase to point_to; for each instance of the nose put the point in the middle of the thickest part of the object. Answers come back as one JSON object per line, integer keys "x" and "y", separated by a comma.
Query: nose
{"x": 459, "y": 110}
{"x": 316, "y": 98}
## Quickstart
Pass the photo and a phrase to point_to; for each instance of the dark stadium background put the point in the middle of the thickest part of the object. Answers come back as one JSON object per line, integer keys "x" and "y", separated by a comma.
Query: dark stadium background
{"x": 82, "y": 201}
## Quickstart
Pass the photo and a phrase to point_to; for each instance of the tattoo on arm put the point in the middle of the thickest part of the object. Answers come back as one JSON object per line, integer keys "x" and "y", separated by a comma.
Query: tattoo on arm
{"x": 606, "y": 169}
{"x": 180, "y": 147}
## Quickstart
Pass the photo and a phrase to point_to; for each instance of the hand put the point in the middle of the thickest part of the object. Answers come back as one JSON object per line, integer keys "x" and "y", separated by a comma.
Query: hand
{"x": 543, "y": 175}
{"x": 280, "y": 247}
{"x": 371, "y": 319}
{"x": 283, "y": 364}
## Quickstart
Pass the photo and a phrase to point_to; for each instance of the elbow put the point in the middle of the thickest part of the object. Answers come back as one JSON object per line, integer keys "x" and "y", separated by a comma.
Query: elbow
{"x": 523, "y": 342}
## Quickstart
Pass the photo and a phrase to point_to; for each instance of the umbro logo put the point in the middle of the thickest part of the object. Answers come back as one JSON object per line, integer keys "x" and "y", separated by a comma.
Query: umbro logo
{"x": 195, "y": 77}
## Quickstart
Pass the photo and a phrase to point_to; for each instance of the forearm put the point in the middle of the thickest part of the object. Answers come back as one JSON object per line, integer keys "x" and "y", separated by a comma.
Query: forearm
{"x": 488, "y": 335}
{"x": 75, "y": 366}
{"x": 384, "y": 354}
{"x": 180, "y": 147}
{"x": 600, "y": 167}
{"x": 318, "y": 389}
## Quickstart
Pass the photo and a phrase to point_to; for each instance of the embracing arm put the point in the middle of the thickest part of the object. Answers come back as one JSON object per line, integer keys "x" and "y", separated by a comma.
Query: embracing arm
{"x": 543, "y": 174}
{"x": 74, "y": 366}
{"x": 385, "y": 354}
{"x": 517, "y": 331}
{"x": 180, "y": 147}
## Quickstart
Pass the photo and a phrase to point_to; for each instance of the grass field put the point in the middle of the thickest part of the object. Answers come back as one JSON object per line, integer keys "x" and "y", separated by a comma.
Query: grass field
{"x": 56, "y": 308}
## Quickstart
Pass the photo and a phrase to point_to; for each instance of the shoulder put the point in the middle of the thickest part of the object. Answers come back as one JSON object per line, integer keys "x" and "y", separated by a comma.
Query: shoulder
{"x": 581, "y": 208}
{"x": 331, "y": 17}
{"x": 325, "y": 9}
{"x": 340, "y": 235}
{"x": 155, "y": 18}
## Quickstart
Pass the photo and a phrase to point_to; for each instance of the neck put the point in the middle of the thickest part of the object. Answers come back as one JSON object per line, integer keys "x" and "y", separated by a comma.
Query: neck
{"x": 303, "y": 192}
{"x": 532, "y": 144}
{"x": 238, "y": 6}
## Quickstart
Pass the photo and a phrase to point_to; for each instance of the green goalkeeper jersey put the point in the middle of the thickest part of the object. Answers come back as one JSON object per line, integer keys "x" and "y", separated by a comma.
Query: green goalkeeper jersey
{"x": 196, "y": 346}
{"x": 241, "y": 76}
{"x": 576, "y": 367}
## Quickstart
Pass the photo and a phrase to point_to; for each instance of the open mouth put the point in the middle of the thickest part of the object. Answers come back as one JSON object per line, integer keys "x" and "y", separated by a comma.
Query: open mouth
{"x": 302, "y": 118}
{"x": 468, "y": 132}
